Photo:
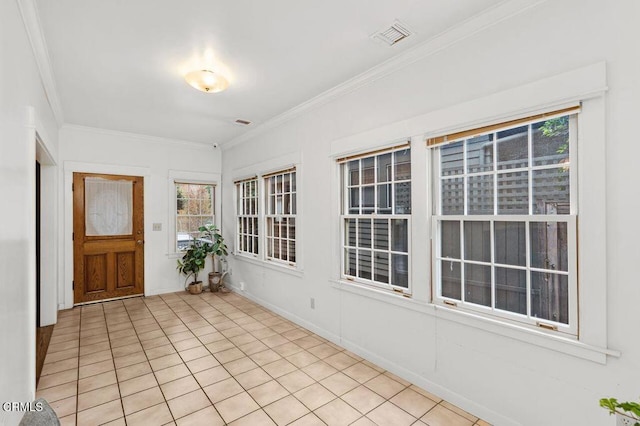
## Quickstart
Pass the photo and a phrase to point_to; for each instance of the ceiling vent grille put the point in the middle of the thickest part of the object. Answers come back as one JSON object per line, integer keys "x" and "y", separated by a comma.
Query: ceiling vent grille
{"x": 393, "y": 34}
{"x": 242, "y": 122}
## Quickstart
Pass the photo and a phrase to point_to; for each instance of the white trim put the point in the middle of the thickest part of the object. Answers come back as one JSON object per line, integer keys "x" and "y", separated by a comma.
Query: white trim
{"x": 33, "y": 27}
{"x": 69, "y": 168}
{"x": 474, "y": 25}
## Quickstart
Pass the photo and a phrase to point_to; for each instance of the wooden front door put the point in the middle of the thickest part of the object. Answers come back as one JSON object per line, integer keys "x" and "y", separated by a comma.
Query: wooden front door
{"x": 108, "y": 240}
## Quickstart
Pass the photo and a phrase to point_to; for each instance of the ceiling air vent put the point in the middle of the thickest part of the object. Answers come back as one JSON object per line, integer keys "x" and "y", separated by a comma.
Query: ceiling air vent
{"x": 242, "y": 122}
{"x": 393, "y": 34}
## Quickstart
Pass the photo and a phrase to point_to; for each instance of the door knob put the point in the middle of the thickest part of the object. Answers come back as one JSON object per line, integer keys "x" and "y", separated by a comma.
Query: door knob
{"x": 139, "y": 242}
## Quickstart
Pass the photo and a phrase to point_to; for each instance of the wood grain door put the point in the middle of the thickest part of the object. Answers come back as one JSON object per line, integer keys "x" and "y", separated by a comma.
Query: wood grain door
{"x": 108, "y": 236}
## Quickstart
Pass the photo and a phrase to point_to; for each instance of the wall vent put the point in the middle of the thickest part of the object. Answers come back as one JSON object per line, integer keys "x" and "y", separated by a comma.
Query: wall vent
{"x": 393, "y": 34}
{"x": 242, "y": 122}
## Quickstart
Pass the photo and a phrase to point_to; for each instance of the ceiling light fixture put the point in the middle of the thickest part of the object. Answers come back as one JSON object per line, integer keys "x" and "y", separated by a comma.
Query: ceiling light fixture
{"x": 206, "y": 81}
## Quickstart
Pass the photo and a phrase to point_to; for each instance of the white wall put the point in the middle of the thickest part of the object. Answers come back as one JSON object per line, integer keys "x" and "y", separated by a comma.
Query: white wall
{"x": 101, "y": 151}
{"x": 23, "y": 111}
{"x": 503, "y": 379}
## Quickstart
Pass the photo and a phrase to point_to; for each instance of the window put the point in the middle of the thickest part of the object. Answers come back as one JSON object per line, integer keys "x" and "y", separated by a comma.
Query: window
{"x": 505, "y": 222}
{"x": 281, "y": 216}
{"x": 194, "y": 208}
{"x": 376, "y": 218}
{"x": 247, "y": 196}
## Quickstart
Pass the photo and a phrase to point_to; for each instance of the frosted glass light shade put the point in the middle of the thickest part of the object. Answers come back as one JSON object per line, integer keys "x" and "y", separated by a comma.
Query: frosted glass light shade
{"x": 206, "y": 81}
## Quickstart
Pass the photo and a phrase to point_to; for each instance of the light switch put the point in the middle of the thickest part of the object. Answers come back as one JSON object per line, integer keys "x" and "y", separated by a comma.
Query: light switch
{"x": 157, "y": 227}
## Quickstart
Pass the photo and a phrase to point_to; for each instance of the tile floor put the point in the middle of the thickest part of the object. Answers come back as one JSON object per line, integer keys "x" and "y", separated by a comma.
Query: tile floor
{"x": 217, "y": 359}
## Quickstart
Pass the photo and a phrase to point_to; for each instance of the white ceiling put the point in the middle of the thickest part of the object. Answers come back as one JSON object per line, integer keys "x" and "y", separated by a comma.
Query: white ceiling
{"x": 119, "y": 65}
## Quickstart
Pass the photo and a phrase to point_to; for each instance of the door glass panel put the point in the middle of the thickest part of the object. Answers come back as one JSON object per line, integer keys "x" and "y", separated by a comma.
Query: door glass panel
{"x": 108, "y": 207}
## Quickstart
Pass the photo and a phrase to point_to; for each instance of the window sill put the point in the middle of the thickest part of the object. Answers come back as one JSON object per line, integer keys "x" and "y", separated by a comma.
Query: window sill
{"x": 524, "y": 334}
{"x": 287, "y": 269}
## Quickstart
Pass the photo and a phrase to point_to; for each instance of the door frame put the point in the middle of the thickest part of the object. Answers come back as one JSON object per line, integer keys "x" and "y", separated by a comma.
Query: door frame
{"x": 71, "y": 167}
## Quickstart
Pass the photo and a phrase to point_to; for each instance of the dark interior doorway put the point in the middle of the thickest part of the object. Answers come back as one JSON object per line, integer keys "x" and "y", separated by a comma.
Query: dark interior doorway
{"x": 38, "y": 244}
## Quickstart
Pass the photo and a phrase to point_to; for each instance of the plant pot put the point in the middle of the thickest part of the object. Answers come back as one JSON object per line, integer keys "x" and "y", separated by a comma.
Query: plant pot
{"x": 622, "y": 420}
{"x": 215, "y": 281}
{"x": 195, "y": 287}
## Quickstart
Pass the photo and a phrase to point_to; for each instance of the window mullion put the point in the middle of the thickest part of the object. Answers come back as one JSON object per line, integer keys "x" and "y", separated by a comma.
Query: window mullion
{"x": 493, "y": 263}
{"x": 462, "y": 263}
{"x": 528, "y": 265}
{"x": 530, "y": 166}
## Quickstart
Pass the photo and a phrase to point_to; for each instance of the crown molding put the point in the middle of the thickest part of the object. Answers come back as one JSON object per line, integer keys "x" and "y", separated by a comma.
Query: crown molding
{"x": 467, "y": 28}
{"x": 33, "y": 27}
{"x": 138, "y": 136}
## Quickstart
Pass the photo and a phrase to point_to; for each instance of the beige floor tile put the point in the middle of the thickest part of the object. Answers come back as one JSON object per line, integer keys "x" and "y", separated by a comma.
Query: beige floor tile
{"x": 131, "y": 386}
{"x": 363, "y": 399}
{"x": 339, "y": 383}
{"x": 340, "y": 361}
{"x": 211, "y": 376}
{"x": 220, "y": 346}
{"x": 165, "y": 362}
{"x": 286, "y": 410}
{"x": 323, "y": 351}
{"x": 95, "y": 357}
{"x": 59, "y": 392}
{"x": 482, "y": 423}
{"x": 295, "y": 381}
{"x": 150, "y": 335}
{"x": 120, "y": 334}
{"x": 68, "y": 420}
{"x": 275, "y": 340}
{"x": 202, "y": 331}
{"x": 100, "y": 414}
{"x": 279, "y": 368}
{"x": 62, "y": 346}
{"x": 253, "y": 347}
{"x": 126, "y": 350}
{"x": 64, "y": 407}
{"x": 97, "y": 347}
{"x": 308, "y": 420}
{"x": 423, "y": 392}
{"x": 96, "y": 368}
{"x": 123, "y": 341}
{"x": 59, "y": 366}
{"x": 92, "y": 340}
{"x": 182, "y": 335}
{"x": 132, "y": 371}
{"x": 141, "y": 400}
{"x": 389, "y": 414}
{"x": 384, "y": 386}
{"x": 441, "y": 416}
{"x": 59, "y": 356}
{"x": 128, "y": 360}
{"x": 361, "y": 372}
{"x": 302, "y": 359}
{"x": 172, "y": 373}
{"x": 156, "y": 415}
{"x": 265, "y": 357}
{"x": 307, "y": 342}
{"x": 222, "y": 390}
{"x": 210, "y": 338}
{"x": 236, "y": 406}
{"x": 154, "y": 343}
{"x": 268, "y": 392}
{"x": 203, "y": 363}
{"x": 240, "y": 365}
{"x": 252, "y": 378}
{"x": 98, "y": 396}
{"x": 188, "y": 403}
{"x": 191, "y": 343}
{"x": 233, "y": 331}
{"x": 319, "y": 370}
{"x": 363, "y": 421}
{"x": 314, "y": 396}
{"x": 338, "y": 413}
{"x": 229, "y": 355}
{"x": 459, "y": 411}
{"x": 242, "y": 339}
{"x": 193, "y": 353}
{"x": 160, "y": 351}
{"x": 97, "y": 381}
{"x": 257, "y": 418}
{"x": 413, "y": 403}
{"x": 287, "y": 349}
{"x": 207, "y": 416}
{"x": 179, "y": 387}
{"x": 57, "y": 379}
{"x": 295, "y": 334}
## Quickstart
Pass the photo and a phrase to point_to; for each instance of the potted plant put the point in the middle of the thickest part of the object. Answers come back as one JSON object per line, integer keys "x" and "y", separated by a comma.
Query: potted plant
{"x": 627, "y": 413}
{"x": 193, "y": 261}
{"x": 218, "y": 250}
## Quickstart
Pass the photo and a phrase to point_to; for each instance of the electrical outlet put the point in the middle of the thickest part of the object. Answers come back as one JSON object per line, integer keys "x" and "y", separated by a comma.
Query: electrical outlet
{"x": 157, "y": 227}
{"x": 313, "y": 303}
{"x": 242, "y": 286}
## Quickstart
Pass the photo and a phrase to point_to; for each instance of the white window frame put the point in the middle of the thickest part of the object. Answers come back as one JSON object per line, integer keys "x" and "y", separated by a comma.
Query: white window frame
{"x": 570, "y": 329}
{"x": 345, "y": 216}
{"x": 176, "y": 215}
{"x": 244, "y": 215}
{"x": 271, "y": 218}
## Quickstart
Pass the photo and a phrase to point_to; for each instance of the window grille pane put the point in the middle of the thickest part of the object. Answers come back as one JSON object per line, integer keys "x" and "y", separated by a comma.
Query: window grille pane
{"x": 480, "y": 154}
{"x": 551, "y": 191}
{"x": 451, "y": 159}
{"x": 364, "y": 264}
{"x": 292, "y": 228}
{"x": 403, "y": 198}
{"x": 354, "y": 172}
{"x": 350, "y": 234}
{"x": 451, "y": 279}
{"x": 510, "y": 243}
{"x": 364, "y": 233}
{"x": 287, "y": 204}
{"x": 452, "y": 196}
{"x": 384, "y": 167}
{"x": 284, "y": 227}
{"x": 551, "y": 141}
{"x": 350, "y": 262}
{"x": 381, "y": 268}
{"x": 480, "y": 194}
{"x": 402, "y": 161}
{"x": 381, "y": 234}
{"x": 513, "y": 193}
{"x": 477, "y": 241}
{"x": 368, "y": 201}
{"x": 400, "y": 235}
{"x": 269, "y": 246}
{"x": 293, "y": 181}
{"x": 450, "y": 239}
{"x": 550, "y": 296}
{"x": 368, "y": 170}
{"x": 284, "y": 250}
{"x": 294, "y": 207}
{"x": 256, "y": 249}
{"x": 400, "y": 270}
{"x": 384, "y": 199}
{"x": 549, "y": 246}
{"x": 511, "y": 290}
{"x": 513, "y": 148}
{"x": 354, "y": 200}
{"x": 286, "y": 182}
{"x": 292, "y": 251}
{"x": 477, "y": 284}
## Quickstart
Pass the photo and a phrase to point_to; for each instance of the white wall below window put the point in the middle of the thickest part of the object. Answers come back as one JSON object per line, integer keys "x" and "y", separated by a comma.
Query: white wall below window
{"x": 497, "y": 376}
